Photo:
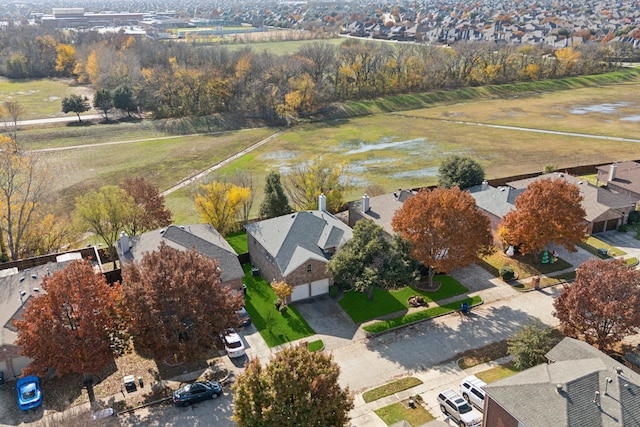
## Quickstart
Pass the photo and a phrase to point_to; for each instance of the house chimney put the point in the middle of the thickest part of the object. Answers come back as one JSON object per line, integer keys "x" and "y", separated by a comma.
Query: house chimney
{"x": 322, "y": 202}
{"x": 365, "y": 204}
{"x": 124, "y": 242}
{"x": 485, "y": 185}
{"x": 612, "y": 171}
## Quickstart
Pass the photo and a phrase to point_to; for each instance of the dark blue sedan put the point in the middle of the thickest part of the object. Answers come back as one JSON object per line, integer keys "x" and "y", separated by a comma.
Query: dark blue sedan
{"x": 29, "y": 394}
{"x": 195, "y": 392}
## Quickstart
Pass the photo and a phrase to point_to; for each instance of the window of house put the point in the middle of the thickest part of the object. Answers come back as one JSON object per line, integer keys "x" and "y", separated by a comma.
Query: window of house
{"x": 308, "y": 268}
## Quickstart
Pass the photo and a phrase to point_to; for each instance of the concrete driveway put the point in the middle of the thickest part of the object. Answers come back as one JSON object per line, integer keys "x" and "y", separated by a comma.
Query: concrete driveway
{"x": 625, "y": 241}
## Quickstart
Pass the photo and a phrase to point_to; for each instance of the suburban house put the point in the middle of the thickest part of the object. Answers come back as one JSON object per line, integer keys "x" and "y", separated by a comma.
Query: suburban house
{"x": 622, "y": 178}
{"x": 203, "y": 237}
{"x": 19, "y": 281}
{"x": 295, "y": 248}
{"x": 494, "y": 202}
{"x": 605, "y": 210}
{"x": 579, "y": 386}
{"x": 379, "y": 209}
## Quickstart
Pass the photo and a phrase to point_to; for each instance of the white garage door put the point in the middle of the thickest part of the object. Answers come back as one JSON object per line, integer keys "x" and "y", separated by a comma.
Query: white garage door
{"x": 300, "y": 292}
{"x": 320, "y": 287}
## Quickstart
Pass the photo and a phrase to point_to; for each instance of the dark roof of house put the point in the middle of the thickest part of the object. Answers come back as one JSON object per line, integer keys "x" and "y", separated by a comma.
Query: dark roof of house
{"x": 201, "y": 237}
{"x": 294, "y": 239}
{"x": 627, "y": 175}
{"x": 563, "y": 392}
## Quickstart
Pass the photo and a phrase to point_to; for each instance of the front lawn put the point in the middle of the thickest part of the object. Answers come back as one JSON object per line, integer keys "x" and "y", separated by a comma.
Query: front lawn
{"x": 401, "y": 411}
{"x": 523, "y": 265}
{"x": 390, "y": 388}
{"x": 497, "y": 373}
{"x": 276, "y": 328}
{"x": 592, "y": 244}
{"x": 361, "y": 309}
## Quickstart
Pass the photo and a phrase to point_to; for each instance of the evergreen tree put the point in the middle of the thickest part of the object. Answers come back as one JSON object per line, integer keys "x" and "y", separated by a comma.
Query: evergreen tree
{"x": 275, "y": 201}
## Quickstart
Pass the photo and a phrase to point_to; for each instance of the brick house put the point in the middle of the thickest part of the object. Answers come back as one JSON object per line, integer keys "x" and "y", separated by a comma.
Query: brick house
{"x": 295, "y": 248}
{"x": 622, "y": 178}
{"x": 579, "y": 386}
{"x": 203, "y": 237}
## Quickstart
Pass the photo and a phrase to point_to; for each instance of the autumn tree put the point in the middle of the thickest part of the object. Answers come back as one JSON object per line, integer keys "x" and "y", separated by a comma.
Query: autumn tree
{"x": 178, "y": 304}
{"x": 460, "y": 171}
{"x": 445, "y": 228}
{"x": 295, "y": 388}
{"x": 66, "y": 59}
{"x": 103, "y": 101}
{"x": 149, "y": 212}
{"x": 23, "y": 187}
{"x": 601, "y": 305}
{"x": 305, "y": 182}
{"x": 529, "y": 345}
{"x": 12, "y": 111}
{"x": 48, "y": 233}
{"x": 549, "y": 211}
{"x": 75, "y": 104}
{"x": 370, "y": 260}
{"x": 220, "y": 203}
{"x": 244, "y": 179}
{"x": 275, "y": 201}
{"x": 105, "y": 212}
{"x": 75, "y": 326}
{"x": 282, "y": 290}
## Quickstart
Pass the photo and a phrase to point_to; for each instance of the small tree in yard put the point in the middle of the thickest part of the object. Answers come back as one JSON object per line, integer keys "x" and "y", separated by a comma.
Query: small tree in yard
{"x": 530, "y": 344}
{"x": 103, "y": 101}
{"x": 295, "y": 388}
{"x": 75, "y": 104}
{"x": 601, "y": 305}
{"x": 548, "y": 211}
{"x": 76, "y": 326}
{"x": 275, "y": 201}
{"x": 369, "y": 260}
{"x": 282, "y": 291}
{"x": 178, "y": 304}
{"x": 445, "y": 228}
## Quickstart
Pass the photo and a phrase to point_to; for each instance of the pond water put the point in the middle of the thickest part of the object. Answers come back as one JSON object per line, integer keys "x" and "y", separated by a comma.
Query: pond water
{"x": 607, "y": 108}
{"x": 382, "y": 144}
{"x": 631, "y": 119}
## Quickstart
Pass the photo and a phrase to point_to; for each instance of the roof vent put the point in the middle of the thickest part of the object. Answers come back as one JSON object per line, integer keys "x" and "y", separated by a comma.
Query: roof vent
{"x": 618, "y": 370}
{"x": 34, "y": 276}
{"x": 21, "y": 279}
{"x": 558, "y": 388}
{"x": 36, "y": 290}
{"x": 162, "y": 230}
{"x": 596, "y": 398}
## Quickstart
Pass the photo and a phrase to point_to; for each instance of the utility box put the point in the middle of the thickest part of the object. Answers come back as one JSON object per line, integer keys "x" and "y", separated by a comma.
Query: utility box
{"x": 130, "y": 383}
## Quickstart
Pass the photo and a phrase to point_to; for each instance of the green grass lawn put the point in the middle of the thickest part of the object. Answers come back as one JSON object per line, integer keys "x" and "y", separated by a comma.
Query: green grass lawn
{"x": 592, "y": 244}
{"x": 497, "y": 373}
{"x": 316, "y": 345}
{"x": 361, "y": 309}
{"x": 390, "y": 388}
{"x": 401, "y": 411}
{"x": 276, "y": 328}
{"x": 238, "y": 241}
{"x": 385, "y": 325}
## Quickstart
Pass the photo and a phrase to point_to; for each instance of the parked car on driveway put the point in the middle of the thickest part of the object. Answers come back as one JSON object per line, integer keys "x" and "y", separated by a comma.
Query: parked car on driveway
{"x": 29, "y": 393}
{"x": 243, "y": 318}
{"x": 196, "y": 392}
{"x": 451, "y": 403}
{"x": 233, "y": 343}
{"x": 472, "y": 391}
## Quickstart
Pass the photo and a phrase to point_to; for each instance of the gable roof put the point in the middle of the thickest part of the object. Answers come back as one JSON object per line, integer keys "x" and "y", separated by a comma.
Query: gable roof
{"x": 563, "y": 392}
{"x": 495, "y": 200}
{"x": 294, "y": 239}
{"x": 598, "y": 202}
{"x": 627, "y": 175}
{"x": 203, "y": 237}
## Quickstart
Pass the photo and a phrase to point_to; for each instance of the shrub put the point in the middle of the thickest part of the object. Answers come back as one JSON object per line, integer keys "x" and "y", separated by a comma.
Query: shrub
{"x": 507, "y": 273}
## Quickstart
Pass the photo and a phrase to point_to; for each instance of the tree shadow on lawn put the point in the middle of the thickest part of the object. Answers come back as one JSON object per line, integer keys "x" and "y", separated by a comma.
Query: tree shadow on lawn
{"x": 438, "y": 342}
{"x": 395, "y": 303}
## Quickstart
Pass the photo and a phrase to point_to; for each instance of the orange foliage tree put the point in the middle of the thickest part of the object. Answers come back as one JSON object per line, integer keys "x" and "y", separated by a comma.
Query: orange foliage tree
{"x": 601, "y": 306}
{"x": 75, "y": 326}
{"x": 151, "y": 212}
{"x": 178, "y": 304}
{"x": 548, "y": 211}
{"x": 445, "y": 228}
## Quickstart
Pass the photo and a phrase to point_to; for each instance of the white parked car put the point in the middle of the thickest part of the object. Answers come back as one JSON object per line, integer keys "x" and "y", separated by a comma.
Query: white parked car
{"x": 471, "y": 389}
{"x": 460, "y": 411}
{"x": 233, "y": 343}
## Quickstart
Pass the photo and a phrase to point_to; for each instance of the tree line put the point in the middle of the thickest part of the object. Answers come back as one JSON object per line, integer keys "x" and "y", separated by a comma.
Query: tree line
{"x": 176, "y": 79}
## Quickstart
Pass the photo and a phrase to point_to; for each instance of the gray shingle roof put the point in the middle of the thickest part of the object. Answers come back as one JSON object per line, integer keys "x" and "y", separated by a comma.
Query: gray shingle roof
{"x": 534, "y": 399}
{"x": 203, "y": 237}
{"x": 296, "y": 238}
{"x": 495, "y": 200}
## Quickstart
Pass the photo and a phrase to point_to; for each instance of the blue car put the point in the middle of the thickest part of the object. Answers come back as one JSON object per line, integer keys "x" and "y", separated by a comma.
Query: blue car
{"x": 29, "y": 393}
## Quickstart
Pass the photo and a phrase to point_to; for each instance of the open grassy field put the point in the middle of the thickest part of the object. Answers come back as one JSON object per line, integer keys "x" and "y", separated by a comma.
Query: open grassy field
{"x": 395, "y": 149}
{"x": 41, "y": 98}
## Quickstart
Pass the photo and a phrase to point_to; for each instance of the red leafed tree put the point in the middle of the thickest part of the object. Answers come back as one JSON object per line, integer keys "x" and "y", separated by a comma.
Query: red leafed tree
{"x": 445, "y": 229}
{"x": 75, "y": 325}
{"x": 548, "y": 211}
{"x": 151, "y": 212}
{"x": 178, "y": 304}
{"x": 601, "y": 306}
